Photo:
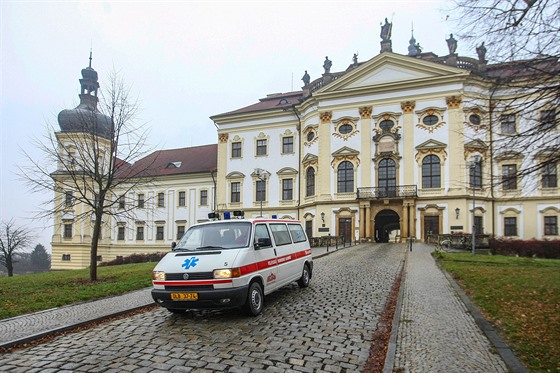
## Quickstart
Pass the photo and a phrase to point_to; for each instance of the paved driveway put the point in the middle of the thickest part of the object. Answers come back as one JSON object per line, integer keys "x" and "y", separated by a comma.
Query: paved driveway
{"x": 326, "y": 327}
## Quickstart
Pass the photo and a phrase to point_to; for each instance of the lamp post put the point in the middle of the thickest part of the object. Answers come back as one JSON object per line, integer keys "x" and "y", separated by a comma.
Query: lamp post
{"x": 262, "y": 176}
{"x": 474, "y": 162}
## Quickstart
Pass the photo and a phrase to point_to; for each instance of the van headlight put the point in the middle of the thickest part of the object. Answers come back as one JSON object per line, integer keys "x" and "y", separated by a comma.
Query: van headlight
{"x": 158, "y": 275}
{"x": 227, "y": 273}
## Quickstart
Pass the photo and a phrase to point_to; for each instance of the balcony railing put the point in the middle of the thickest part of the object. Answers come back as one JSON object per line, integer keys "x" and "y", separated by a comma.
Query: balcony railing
{"x": 398, "y": 191}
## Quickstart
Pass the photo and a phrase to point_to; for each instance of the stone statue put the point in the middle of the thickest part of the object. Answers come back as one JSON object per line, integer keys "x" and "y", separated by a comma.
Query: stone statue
{"x": 481, "y": 51}
{"x": 327, "y": 65}
{"x": 386, "y": 31}
{"x": 355, "y": 59}
{"x": 451, "y": 44}
{"x": 306, "y": 78}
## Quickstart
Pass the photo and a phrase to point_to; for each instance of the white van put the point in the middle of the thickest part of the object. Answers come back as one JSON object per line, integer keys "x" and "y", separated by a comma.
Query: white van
{"x": 231, "y": 263}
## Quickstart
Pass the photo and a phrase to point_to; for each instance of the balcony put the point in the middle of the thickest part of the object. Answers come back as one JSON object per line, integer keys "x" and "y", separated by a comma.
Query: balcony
{"x": 396, "y": 192}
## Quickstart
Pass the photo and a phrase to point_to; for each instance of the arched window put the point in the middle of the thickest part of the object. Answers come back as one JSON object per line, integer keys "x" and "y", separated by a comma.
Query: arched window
{"x": 475, "y": 175}
{"x": 387, "y": 178}
{"x": 431, "y": 172}
{"x": 310, "y": 182}
{"x": 345, "y": 177}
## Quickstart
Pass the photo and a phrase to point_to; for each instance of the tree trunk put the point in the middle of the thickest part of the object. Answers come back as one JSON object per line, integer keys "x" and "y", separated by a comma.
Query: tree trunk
{"x": 10, "y": 265}
{"x": 94, "y": 244}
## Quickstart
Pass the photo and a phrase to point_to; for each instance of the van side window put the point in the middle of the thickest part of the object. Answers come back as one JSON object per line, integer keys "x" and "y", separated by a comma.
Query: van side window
{"x": 280, "y": 234}
{"x": 298, "y": 235}
{"x": 261, "y": 231}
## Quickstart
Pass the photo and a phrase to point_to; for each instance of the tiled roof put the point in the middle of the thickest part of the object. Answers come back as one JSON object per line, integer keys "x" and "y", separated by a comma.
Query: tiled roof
{"x": 270, "y": 102}
{"x": 197, "y": 159}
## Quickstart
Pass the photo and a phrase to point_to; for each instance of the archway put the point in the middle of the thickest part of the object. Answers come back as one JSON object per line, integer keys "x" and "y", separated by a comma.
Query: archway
{"x": 387, "y": 222}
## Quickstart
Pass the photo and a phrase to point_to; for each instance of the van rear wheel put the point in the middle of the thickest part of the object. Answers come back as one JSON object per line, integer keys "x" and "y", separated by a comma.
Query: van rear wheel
{"x": 255, "y": 299}
{"x": 303, "y": 282}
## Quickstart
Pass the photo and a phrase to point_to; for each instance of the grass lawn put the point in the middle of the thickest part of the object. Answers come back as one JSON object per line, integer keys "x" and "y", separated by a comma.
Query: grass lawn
{"x": 35, "y": 292}
{"x": 521, "y": 297}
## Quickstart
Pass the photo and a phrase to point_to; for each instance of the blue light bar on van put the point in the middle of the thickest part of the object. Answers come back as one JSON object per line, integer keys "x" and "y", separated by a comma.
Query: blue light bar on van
{"x": 274, "y": 217}
{"x": 227, "y": 215}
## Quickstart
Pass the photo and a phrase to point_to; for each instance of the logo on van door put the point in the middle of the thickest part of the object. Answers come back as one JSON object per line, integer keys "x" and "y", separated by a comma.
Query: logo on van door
{"x": 190, "y": 262}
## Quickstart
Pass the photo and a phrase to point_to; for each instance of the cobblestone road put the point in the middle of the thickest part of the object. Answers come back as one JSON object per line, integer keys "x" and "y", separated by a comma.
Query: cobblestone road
{"x": 324, "y": 328}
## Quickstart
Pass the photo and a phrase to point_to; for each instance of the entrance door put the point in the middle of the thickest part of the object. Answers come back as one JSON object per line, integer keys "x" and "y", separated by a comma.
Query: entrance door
{"x": 431, "y": 226}
{"x": 387, "y": 224}
{"x": 345, "y": 228}
{"x": 309, "y": 229}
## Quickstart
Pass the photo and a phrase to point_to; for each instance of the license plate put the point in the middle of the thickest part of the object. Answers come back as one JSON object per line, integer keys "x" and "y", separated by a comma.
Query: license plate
{"x": 184, "y": 296}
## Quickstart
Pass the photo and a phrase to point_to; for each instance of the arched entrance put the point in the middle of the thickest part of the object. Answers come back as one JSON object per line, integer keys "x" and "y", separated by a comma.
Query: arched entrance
{"x": 386, "y": 222}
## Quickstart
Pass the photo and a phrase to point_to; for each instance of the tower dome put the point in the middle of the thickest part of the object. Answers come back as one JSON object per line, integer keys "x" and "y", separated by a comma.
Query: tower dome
{"x": 86, "y": 117}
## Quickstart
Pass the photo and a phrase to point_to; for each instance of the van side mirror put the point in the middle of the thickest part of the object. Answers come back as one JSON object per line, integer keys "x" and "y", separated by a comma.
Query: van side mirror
{"x": 263, "y": 242}
{"x": 173, "y": 245}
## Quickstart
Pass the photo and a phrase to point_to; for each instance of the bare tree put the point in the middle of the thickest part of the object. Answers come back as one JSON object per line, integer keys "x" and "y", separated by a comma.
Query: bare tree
{"x": 13, "y": 239}
{"x": 523, "y": 45}
{"x": 93, "y": 153}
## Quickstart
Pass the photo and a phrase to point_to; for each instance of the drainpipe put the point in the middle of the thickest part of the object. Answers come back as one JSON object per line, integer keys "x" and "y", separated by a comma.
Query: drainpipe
{"x": 293, "y": 107}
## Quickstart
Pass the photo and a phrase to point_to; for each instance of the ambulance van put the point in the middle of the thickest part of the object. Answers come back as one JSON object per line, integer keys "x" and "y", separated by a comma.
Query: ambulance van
{"x": 232, "y": 263}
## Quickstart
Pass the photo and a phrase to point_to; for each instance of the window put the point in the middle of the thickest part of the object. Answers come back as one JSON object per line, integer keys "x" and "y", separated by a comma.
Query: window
{"x": 310, "y": 136}
{"x": 310, "y": 182}
{"x": 431, "y": 172}
{"x": 548, "y": 120}
{"x": 510, "y": 226}
{"x": 161, "y": 200}
{"x": 261, "y": 232}
{"x": 280, "y": 234}
{"x": 474, "y": 119}
{"x": 203, "y": 197}
{"x": 297, "y": 233}
{"x": 345, "y": 129}
{"x": 386, "y": 125}
{"x": 68, "y": 199}
{"x": 99, "y": 258}
{"x": 120, "y": 234}
{"x": 507, "y": 122}
{"x": 140, "y": 233}
{"x": 66, "y": 257}
{"x": 509, "y": 177}
{"x": 261, "y": 147}
{"x": 159, "y": 233}
{"x": 387, "y": 178}
{"x": 478, "y": 225}
{"x": 236, "y": 149}
{"x": 430, "y": 120}
{"x": 236, "y": 192}
{"x": 141, "y": 201}
{"x": 182, "y": 199}
{"x": 549, "y": 176}
{"x": 551, "y": 226}
{"x": 180, "y": 231}
{"x": 475, "y": 175}
{"x": 287, "y": 144}
{"x": 68, "y": 230}
{"x": 261, "y": 190}
{"x": 345, "y": 177}
{"x": 287, "y": 189}
{"x": 121, "y": 202}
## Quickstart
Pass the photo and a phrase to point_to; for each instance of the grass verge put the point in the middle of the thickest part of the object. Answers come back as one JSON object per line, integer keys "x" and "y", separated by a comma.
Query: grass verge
{"x": 36, "y": 292}
{"x": 520, "y": 296}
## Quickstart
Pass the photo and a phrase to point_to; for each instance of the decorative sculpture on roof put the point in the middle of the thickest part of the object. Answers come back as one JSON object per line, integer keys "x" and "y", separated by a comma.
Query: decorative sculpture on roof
{"x": 327, "y": 65}
{"x": 451, "y": 44}
{"x": 481, "y": 51}
{"x": 414, "y": 48}
{"x": 386, "y": 31}
{"x": 306, "y": 78}
{"x": 355, "y": 59}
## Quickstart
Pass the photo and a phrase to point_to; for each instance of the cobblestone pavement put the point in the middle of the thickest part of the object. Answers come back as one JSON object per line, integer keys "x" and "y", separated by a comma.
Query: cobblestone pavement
{"x": 436, "y": 332}
{"x": 324, "y": 328}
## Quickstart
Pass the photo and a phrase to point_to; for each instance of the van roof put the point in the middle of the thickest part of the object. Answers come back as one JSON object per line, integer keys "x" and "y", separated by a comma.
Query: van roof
{"x": 251, "y": 220}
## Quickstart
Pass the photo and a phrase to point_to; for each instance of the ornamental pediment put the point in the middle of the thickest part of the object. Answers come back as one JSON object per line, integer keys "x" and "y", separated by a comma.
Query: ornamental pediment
{"x": 431, "y": 145}
{"x": 345, "y": 151}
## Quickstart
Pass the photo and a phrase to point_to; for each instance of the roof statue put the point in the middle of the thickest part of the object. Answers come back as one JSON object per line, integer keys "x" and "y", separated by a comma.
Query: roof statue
{"x": 355, "y": 59}
{"x": 481, "y": 51}
{"x": 306, "y": 78}
{"x": 386, "y": 31}
{"x": 327, "y": 65}
{"x": 451, "y": 44}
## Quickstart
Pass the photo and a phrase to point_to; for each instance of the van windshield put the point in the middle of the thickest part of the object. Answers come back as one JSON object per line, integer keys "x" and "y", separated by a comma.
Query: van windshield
{"x": 231, "y": 235}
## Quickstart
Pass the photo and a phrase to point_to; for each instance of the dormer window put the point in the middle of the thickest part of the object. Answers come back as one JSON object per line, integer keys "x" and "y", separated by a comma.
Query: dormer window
{"x": 283, "y": 101}
{"x": 174, "y": 164}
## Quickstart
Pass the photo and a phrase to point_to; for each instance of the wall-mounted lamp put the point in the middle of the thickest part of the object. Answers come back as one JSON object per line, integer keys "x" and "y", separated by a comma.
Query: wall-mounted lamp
{"x": 323, "y": 217}
{"x": 457, "y": 211}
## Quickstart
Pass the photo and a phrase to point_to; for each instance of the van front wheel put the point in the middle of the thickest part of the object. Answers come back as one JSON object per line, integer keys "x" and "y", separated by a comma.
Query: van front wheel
{"x": 255, "y": 299}
{"x": 303, "y": 282}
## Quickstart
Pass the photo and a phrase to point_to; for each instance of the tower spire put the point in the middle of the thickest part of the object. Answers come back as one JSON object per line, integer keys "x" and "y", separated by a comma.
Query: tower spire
{"x": 90, "y": 50}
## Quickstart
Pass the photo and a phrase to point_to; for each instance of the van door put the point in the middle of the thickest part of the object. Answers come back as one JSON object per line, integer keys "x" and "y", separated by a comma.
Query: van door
{"x": 265, "y": 258}
{"x": 288, "y": 268}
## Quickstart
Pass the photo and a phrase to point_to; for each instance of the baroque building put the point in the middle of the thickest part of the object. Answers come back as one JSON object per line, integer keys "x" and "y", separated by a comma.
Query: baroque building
{"x": 394, "y": 147}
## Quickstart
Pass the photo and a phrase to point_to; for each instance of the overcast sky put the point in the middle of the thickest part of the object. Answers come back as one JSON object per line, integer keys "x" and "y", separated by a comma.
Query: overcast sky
{"x": 184, "y": 60}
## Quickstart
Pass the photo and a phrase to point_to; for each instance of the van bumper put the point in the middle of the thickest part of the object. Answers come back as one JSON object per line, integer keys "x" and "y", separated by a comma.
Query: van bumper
{"x": 216, "y": 298}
